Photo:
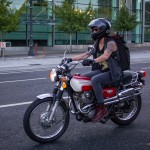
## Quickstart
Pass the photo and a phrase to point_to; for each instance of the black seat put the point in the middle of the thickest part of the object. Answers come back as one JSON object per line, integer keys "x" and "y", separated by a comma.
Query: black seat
{"x": 127, "y": 76}
{"x": 113, "y": 84}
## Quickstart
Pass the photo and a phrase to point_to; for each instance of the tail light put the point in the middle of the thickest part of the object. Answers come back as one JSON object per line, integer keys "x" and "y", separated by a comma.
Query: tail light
{"x": 142, "y": 74}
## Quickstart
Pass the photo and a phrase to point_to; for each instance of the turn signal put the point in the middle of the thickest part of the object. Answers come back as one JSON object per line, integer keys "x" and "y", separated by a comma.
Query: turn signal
{"x": 64, "y": 85}
{"x": 63, "y": 79}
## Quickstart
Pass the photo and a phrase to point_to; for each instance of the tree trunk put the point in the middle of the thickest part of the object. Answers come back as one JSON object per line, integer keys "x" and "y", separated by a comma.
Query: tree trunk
{"x": 129, "y": 38}
{"x": 70, "y": 50}
{"x": 1, "y": 35}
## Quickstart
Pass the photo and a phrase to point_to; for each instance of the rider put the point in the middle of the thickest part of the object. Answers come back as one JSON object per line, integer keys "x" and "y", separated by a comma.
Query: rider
{"x": 105, "y": 69}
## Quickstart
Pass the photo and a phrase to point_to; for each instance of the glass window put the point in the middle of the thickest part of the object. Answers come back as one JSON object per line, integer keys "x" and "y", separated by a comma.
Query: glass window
{"x": 43, "y": 31}
{"x": 147, "y": 22}
{"x": 137, "y": 9}
{"x": 108, "y": 9}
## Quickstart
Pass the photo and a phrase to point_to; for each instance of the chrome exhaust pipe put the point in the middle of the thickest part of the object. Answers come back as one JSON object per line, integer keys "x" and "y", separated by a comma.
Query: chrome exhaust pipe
{"x": 115, "y": 101}
{"x": 121, "y": 96}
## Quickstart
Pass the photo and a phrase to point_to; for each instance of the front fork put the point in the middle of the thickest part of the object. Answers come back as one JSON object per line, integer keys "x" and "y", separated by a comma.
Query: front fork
{"x": 56, "y": 100}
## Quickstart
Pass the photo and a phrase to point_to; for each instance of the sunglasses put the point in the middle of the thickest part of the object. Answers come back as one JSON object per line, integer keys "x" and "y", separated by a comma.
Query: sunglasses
{"x": 95, "y": 29}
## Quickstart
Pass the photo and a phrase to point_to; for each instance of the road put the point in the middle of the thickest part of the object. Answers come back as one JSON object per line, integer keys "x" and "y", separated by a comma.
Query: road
{"x": 18, "y": 88}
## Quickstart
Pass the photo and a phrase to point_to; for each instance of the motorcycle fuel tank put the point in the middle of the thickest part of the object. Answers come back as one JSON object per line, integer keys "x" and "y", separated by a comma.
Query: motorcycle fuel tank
{"x": 81, "y": 83}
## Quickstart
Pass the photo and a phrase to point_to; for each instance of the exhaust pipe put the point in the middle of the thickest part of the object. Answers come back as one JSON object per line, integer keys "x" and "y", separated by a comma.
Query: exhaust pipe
{"x": 121, "y": 96}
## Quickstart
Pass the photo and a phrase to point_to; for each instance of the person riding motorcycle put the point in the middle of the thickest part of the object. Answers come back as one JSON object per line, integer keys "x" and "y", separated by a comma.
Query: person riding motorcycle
{"x": 105, "y": 69}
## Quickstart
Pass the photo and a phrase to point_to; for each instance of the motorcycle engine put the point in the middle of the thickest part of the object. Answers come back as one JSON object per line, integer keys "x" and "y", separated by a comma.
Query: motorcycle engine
{"x": 86, "y": 104}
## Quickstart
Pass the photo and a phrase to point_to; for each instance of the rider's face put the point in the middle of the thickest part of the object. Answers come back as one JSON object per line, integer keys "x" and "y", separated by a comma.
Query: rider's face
{"x": 95, "y": 30}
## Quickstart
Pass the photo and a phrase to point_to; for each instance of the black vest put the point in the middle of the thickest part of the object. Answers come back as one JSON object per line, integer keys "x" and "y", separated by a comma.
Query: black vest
{"x": 113, "y": 65}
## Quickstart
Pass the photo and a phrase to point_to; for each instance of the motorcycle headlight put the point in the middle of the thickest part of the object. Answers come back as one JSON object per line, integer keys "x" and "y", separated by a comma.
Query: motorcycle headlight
{"x": 53, "y": 75}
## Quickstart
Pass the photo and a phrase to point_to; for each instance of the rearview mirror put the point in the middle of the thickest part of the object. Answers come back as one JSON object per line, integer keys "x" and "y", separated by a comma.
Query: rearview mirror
{"x": 91, "y": 50}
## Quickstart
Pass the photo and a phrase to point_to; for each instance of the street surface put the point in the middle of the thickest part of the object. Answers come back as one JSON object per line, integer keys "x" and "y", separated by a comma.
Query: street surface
{"x": 19, "y": 87}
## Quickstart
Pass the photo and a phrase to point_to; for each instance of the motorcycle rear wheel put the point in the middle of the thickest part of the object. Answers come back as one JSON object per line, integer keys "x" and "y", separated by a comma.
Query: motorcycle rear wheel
{"x": 136, "y": 107}
{"x": 36, "y": 123}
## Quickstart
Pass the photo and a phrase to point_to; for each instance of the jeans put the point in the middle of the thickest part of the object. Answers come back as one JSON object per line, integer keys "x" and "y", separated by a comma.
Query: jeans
{"x": 98, "y": 79}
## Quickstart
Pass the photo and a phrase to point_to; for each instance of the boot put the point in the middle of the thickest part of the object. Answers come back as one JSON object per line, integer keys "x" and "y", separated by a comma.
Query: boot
{"x": 100, "y": 114}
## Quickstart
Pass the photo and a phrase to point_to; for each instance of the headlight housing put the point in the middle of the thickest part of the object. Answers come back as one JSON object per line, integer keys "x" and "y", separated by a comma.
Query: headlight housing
{"x": 53, "y": 75}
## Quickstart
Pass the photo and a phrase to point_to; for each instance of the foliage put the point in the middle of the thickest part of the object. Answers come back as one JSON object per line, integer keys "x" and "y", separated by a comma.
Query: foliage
{"x": 105, "y": 12}
{"x": 124, "y": 21}
{"x": 71, "y": 19}
{"x": 40, "y": 3}
{"x": 9, "y": 18}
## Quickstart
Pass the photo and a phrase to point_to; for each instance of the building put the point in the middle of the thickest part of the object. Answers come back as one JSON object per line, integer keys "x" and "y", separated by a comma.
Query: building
{"x": 45, "y": 34}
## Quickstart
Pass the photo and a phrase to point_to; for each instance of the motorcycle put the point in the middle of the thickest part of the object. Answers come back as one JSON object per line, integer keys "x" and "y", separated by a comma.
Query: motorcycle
{"x": 47, "y": 118}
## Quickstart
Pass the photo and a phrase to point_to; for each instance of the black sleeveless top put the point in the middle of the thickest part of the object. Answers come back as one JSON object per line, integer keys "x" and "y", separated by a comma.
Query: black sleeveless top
{"x": 110, "y": 64}
{"x": 103, "y": 66}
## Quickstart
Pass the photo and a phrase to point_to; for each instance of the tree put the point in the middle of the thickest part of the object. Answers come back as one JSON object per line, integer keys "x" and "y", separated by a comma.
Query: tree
{"x": 72, "y": 20}
{"x": 105, "y": 12}
{"x": 9, "y": 18}
{"x": 40, "y": 3}
{"x": 124, "y": 21}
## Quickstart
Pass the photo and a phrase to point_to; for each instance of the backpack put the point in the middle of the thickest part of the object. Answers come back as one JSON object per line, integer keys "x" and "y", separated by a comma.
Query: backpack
{"x": 123, "y": 52}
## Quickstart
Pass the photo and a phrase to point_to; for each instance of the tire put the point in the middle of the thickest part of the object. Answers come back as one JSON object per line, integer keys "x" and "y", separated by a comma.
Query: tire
{"x": 30, "y": 121}
{"x": 122, "y": 121}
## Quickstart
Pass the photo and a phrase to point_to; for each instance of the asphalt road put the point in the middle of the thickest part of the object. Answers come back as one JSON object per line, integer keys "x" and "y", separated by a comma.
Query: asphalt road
{"x": 19, "y": 87}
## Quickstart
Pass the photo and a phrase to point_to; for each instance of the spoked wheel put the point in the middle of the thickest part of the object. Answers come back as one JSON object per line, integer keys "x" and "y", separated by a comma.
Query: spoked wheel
{"x": 36, "y": 121}
{"x": 128, "y": 113}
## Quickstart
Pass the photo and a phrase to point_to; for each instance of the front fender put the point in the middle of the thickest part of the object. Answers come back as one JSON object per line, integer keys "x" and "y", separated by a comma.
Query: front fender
{"x": 49, "y": 95}
{"x": 46, "y": 95}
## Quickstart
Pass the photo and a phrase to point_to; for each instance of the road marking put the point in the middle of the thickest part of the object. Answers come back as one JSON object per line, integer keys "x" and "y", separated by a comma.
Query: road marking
{"x": 22, "y": 80}
{"x": 16, "y": 104}
{"x": 17, "y": 72}
{"x": 20, "y": 104}
{"x": 146, "y": 68}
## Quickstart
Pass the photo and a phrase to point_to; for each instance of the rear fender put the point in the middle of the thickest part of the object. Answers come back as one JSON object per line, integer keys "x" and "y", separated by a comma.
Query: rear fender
{"x": 46, "y": 95}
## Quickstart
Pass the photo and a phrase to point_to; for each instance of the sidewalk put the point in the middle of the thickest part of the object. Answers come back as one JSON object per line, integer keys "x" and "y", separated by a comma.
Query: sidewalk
{"x": 54, "y": 59}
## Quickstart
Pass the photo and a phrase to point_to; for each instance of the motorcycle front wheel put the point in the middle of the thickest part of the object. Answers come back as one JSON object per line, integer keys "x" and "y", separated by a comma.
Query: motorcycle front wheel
{"x": 129, "y": 112}
{"x": 37, "y": 125}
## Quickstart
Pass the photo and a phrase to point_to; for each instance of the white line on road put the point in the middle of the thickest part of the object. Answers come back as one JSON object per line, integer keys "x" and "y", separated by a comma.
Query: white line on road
{"x": 146, "y": 68}
{"x": 22, "y": 80}
{"x": 19, "y": 104}
{"x": 16, "y": 104}
{"x": 22, "y": 71}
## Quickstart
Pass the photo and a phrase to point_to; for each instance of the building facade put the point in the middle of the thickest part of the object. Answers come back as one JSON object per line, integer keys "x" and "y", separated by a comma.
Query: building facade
{"x": 45, "y": 33}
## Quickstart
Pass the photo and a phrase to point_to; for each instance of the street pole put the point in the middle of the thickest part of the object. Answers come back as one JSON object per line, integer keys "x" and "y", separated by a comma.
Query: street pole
{"x": 31, "y": 52}
{"x": 143, "y": 21}
{"x": 27, "y": 23}
{"x": 53, "y": 20}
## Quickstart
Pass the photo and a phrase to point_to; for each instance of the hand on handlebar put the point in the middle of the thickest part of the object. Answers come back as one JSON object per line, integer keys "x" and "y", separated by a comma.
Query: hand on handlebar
{"x": 68, "y": 60}
{"x": 88, "y": 62}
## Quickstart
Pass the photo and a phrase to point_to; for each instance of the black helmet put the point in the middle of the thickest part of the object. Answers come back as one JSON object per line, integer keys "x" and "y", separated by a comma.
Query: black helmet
{"x": 103, "y": 25}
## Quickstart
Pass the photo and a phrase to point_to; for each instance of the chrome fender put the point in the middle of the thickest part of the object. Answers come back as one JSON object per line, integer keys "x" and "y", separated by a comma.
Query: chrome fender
{"x": 46, "y": 95}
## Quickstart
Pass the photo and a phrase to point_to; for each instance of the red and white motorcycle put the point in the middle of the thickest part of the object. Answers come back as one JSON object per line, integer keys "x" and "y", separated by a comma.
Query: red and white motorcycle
{"x": 47, "y": 118}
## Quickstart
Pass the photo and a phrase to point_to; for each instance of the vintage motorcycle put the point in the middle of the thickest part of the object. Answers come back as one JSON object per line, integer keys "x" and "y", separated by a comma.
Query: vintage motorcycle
{"x": 47, "y": 118}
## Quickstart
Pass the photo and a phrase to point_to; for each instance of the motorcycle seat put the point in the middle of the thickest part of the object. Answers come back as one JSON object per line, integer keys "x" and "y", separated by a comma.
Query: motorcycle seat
{"x": 127, "y": 76}
{"x": 113, "y": 84}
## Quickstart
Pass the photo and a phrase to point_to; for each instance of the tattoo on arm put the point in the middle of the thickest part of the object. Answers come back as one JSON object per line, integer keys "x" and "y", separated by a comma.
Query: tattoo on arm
{"x": 111, "y": 47}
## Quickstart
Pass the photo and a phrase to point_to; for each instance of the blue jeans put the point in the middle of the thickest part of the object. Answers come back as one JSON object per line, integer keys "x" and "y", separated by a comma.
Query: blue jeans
{"x": 98, "y": 79}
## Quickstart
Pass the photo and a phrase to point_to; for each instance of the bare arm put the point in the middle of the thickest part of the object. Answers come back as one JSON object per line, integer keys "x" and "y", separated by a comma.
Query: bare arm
{"x": 111, "y": 47}
{"x": 80, "y": 57}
